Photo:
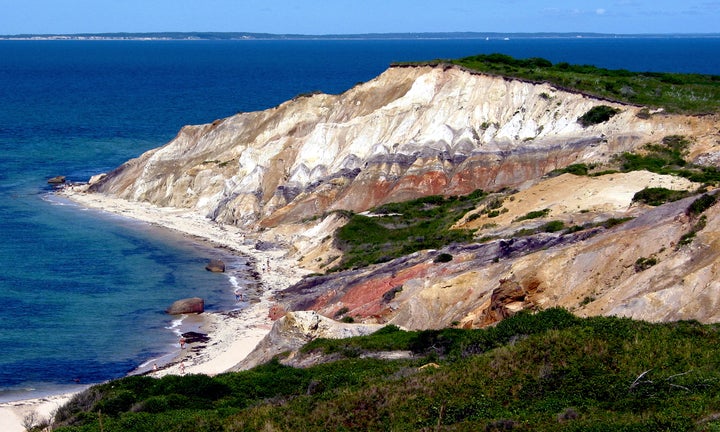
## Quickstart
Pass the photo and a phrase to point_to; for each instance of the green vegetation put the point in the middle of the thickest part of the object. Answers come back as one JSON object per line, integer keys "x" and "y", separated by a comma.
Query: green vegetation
{"x": 398, "y": 229}
{"x": 695, "y": 209}
{"x": 577, "y": 169}
{"x": 688, "y": 237}
{"x": 701, "y": 204}
{"x": 533, "y": 215}
{"x": 685, "y": 93}
{"x": 557, "y": 226}
{"x": 643, "y": 263}
{"x": 443, "y": 258}
{"x": 614, "y": 222}
{"x": 553, "y": 226}
{"x": 493, "y": 207}
{"x": 597, "y": 114}
{"x": 657, "y": 196}
{"x": 549, "y": 371}
{"x": 666, "y": 157}
{"x": 340, "y": 312}
{"x": 587, "y": 300}
{"x": 663, "y": 158}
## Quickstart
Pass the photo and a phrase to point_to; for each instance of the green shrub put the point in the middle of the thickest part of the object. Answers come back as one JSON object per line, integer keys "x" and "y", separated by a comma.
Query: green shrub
{"x": 544, "y": 371}
{"x": 657, "y": 196}
{"x": 443, "y": 258}
{"x": 643, "y": 114}
{"x": 402, "y": 228}
{"x": 553, "y": 226}
{"x": 597, "y": 114}
{"x": 667, "y": 158}
{"x": 701, "y": 204}
{"x": 340, "y": 312}
{"x": 576, "y": 169}
{"x": 614, "y": 222}
{"x": 115, "y": 402}
{"x": 587, "y": 300}
{"x": 643, "y": 263}
{"x": 191, "y": 386}
{"x": 533, "y": 215}
{"x": 688, "y": 237}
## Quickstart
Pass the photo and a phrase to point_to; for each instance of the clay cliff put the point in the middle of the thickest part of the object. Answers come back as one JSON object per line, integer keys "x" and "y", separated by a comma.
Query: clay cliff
{"x": 426, "y": 130}
{"x": 410, "y": 132}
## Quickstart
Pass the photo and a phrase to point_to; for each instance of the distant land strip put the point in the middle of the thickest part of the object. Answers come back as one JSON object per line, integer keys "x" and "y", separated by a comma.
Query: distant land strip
{"x": 270, "y": 36}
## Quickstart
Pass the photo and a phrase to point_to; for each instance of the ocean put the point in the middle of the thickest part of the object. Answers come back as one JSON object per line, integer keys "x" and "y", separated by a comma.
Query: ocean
{"x": 83, "y": 293}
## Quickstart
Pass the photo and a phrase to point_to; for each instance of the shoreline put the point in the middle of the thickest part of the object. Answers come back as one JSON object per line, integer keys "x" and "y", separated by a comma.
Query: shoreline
{"x": 233, "y": 334}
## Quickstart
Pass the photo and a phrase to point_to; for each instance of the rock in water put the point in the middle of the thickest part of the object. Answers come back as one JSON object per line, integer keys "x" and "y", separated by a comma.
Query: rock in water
{"x": 187, "y": 306}
{"x": 56, "y": 180}
{"x": 216, "y": 266}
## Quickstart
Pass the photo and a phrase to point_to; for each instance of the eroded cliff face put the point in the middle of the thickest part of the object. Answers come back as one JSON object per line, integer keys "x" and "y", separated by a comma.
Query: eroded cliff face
{"x": 410, "y": 132}
{"x": 590, "y": 272}
{"x": 417, "y": 131}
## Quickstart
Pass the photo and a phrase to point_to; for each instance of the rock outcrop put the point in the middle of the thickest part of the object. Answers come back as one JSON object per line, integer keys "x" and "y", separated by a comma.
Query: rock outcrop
{"x": 215, "y": 266}
{"x": 294, "y": 330}
{"x": 192, "y": 305}
{"x": 57, "y": 180}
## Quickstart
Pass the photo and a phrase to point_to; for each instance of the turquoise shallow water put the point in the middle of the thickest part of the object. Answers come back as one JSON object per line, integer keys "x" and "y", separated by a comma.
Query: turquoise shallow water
{"x": 82, "y": 293}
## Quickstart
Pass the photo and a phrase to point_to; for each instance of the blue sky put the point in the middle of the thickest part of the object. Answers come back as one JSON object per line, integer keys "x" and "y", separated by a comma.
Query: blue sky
{"x": 359, "y": 16}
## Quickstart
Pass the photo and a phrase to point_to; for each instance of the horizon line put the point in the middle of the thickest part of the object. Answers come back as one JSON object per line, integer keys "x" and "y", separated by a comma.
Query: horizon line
{"x": 230, "y": 35}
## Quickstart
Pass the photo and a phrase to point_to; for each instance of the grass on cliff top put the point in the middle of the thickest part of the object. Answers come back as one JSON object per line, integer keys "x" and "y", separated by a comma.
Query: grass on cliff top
{"x": 397, "y": 229}
{"x": 676, "y": 93}
{"x": 549, "y": 371}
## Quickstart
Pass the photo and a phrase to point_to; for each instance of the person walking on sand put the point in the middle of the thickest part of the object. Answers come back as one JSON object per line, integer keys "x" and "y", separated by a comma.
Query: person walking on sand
{"x": 182, "y": 342}
{"x": 182, "y": 368}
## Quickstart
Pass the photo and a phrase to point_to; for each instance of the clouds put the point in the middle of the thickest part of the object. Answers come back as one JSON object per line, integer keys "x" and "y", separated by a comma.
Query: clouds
{"x": 574, "y": 12}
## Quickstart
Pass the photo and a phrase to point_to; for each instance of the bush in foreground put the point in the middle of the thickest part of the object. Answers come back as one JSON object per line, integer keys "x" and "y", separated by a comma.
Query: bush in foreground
{"x": 549, "y": 371}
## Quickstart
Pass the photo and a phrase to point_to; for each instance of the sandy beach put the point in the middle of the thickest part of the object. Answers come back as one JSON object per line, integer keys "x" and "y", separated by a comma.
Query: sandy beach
{"x": 233, "y": 335}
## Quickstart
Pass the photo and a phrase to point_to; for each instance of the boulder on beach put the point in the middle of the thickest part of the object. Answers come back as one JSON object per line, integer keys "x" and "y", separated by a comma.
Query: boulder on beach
{"x": 192, "y": 337}
{"x": 215, "y": 266}
{"x": 187, "y": 306}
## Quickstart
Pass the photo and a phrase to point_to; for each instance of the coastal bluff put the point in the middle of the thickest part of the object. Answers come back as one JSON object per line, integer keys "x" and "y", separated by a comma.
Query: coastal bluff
{"x": 286, "y": 175}
{"x": 410, "y": 132}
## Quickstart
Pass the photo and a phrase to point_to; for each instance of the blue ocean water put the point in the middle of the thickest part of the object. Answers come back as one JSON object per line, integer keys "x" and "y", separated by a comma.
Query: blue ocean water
{"x": 82, "y": 293}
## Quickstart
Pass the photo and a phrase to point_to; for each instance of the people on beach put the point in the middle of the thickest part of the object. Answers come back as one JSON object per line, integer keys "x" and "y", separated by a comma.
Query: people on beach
{"x": 238, "y": 295}
{"x": 182, "y": 342}
{"x": 182, "y": 367}
{"x": 155, "y": 367}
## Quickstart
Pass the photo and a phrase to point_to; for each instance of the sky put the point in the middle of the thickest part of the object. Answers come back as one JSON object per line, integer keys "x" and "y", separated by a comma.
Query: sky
{"x": 319, "y": 17}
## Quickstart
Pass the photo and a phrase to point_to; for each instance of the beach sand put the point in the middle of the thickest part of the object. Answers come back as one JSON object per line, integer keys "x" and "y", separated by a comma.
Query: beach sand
{"x": 233, "y": 335}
